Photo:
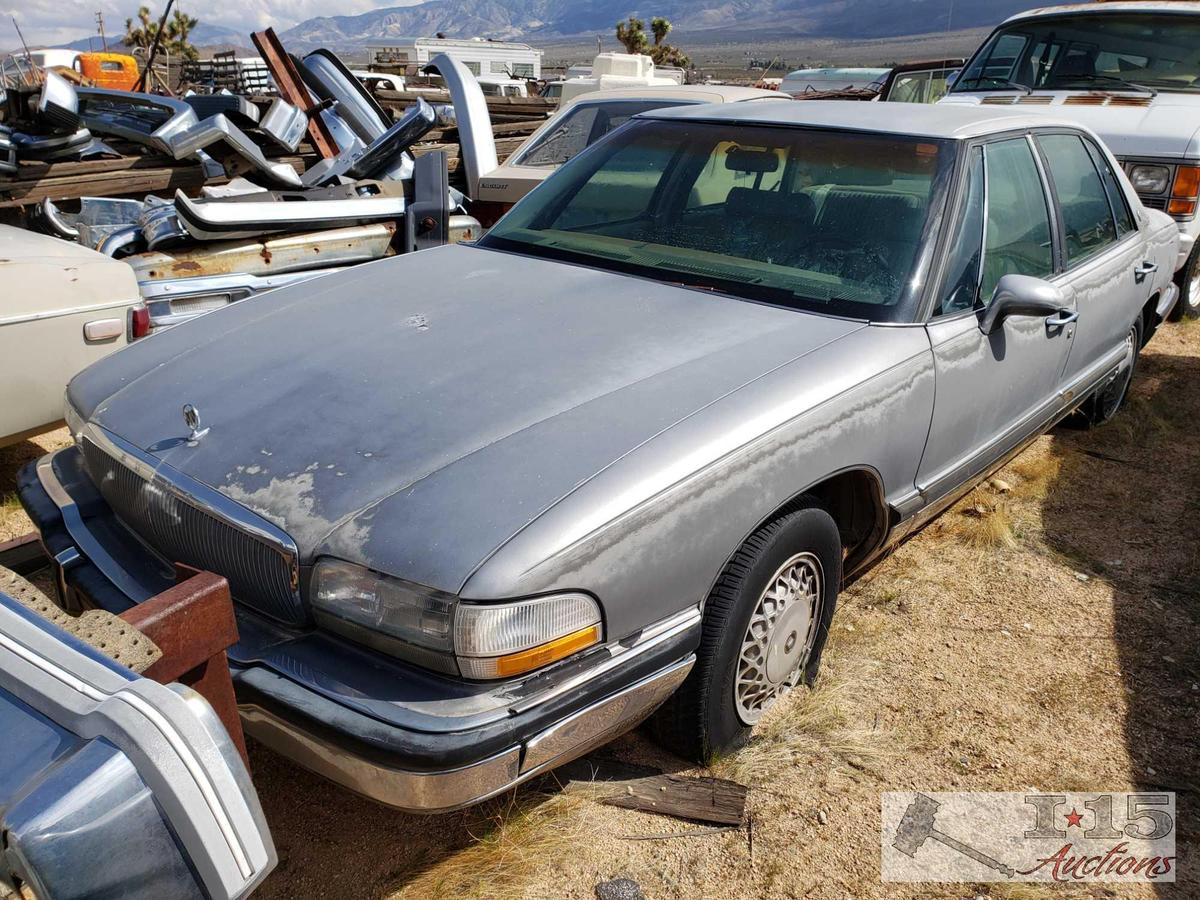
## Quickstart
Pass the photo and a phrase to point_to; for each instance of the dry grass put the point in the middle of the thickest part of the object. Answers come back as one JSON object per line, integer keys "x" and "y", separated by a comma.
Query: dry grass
{"x": 515, "y": 839}
{"x": 1035, "y": 471}
{"x": 816, "y": 723}
{"x": 982, "y": 520}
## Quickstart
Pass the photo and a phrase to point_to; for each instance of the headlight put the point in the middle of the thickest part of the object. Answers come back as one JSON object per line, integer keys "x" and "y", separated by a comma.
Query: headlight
{"x": 71, "y": 416}
{"x": 440, "y": 632}
{"x": 1150, "y": 179}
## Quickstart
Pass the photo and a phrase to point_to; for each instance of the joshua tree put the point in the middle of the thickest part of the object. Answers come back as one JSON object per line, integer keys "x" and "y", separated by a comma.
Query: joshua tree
{"x": 175, "y": 40}
{"x": 178, "y": 30}
{"x": 632, "y": 35}
{"x": 662, "y": 53}
{"x": 142, "y": 36}
{"x": 660, "y": 27}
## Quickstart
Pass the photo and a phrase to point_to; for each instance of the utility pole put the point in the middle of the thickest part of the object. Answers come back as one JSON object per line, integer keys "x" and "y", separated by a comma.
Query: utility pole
{"x": 100, "y": 24}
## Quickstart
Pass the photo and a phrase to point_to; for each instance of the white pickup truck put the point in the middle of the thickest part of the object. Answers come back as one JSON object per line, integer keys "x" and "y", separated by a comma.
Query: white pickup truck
{"x": 1130, "y": 71}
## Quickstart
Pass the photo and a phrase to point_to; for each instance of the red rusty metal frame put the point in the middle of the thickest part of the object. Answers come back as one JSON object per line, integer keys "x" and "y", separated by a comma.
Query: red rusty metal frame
{"x": 292, "y": 89}
{"x": 193, "y": 624}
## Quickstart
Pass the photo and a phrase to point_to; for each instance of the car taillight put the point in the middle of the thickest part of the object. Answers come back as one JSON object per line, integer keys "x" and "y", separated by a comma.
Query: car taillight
{"x": 1185, "y": 191}
{"x": 139, "y": 322}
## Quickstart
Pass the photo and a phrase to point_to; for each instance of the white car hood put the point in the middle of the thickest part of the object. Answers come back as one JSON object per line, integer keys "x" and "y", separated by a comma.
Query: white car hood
{"x": 1168, "y": 128}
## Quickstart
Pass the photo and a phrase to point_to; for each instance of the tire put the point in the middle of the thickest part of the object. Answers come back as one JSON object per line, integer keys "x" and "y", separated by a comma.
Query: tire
{"x": 1188, "y": 278}
{"x": 713, "y": 712}
{"x": 1108, "y": 400}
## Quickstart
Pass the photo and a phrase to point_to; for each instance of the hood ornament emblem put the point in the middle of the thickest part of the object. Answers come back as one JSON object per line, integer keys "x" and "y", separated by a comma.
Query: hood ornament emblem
{"x": 191, "y": 418}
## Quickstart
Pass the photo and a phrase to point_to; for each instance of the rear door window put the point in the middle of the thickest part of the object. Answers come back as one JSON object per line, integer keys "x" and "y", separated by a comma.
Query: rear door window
{"x": 1116, "y": 196}
{"x": 1088, "y": 225}
{"x": 1018, "y": 219}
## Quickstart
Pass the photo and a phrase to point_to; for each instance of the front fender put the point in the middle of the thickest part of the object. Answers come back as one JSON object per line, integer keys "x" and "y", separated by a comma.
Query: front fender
{"x": 651, "y": 533}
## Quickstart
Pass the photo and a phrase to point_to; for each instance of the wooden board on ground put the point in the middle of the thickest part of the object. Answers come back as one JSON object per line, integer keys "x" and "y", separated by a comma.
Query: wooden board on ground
{"x": 616, "y": 783}
{"x": 701, "y": 799}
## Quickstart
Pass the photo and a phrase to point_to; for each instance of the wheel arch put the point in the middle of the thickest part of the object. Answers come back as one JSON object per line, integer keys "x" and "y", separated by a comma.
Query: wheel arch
{"x": 854, "y": 497}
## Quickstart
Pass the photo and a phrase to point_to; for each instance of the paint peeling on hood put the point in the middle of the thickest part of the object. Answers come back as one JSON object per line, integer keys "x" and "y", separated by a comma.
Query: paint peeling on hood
{"x": 531, "y": 377}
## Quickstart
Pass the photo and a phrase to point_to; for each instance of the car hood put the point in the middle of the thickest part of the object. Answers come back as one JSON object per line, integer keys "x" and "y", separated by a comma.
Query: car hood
{"x": 1165, "y": 128}
{"x": 414, "y": 413}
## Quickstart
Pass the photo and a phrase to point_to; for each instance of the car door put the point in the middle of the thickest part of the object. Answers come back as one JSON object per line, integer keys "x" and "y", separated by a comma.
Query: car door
{"x": 1103, "y": 254}
{"x": 993, "y": 390}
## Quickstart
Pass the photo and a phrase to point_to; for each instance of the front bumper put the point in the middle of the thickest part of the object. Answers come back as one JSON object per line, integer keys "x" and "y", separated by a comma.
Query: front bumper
{"x": 1187, "y": 242}
{"x": 406, "y": 737}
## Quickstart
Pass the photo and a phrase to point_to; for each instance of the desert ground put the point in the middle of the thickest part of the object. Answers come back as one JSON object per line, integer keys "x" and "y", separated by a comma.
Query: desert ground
{"x": 1042, "y": 634}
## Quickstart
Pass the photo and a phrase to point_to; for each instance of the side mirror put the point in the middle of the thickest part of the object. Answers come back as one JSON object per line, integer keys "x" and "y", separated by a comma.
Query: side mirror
{"x": 1021, "y": 295}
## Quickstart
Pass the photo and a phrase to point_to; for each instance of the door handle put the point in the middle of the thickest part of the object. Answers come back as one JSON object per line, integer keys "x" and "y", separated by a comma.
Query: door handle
{"x": 1146, "y": 268}
{"x": 1061, "y": 318}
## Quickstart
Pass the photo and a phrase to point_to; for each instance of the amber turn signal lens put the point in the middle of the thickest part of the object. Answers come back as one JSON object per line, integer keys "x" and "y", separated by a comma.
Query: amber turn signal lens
{"x": 1187, "y": 183}
{"x": 551, "y": 651}
{"x": 1181, "y": 207}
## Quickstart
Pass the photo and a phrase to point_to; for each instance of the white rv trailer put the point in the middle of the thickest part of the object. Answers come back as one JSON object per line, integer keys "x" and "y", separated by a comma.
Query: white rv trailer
{"x": 484, "y": 58}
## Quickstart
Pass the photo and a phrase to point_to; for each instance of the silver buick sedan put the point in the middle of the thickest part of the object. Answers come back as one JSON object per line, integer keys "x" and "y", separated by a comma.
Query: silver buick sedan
{"x": 485, "y": 507}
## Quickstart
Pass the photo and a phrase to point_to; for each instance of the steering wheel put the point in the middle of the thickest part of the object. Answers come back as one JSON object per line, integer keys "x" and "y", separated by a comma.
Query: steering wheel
{"x": 865, "y": 252}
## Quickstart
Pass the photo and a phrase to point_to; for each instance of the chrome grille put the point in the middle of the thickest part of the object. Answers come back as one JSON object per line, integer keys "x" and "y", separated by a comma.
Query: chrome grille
{"x": 180, "y": 524}
{"x": 1153, "y": 202}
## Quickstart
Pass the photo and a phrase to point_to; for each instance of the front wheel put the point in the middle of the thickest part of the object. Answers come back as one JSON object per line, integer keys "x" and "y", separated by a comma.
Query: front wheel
{"x": 1188, "y": 304}
{"x": 765, "y": 625}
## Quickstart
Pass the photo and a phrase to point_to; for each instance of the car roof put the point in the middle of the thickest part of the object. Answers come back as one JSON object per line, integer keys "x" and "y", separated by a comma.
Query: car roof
{"x": 704, "y": 93}
{"x": 1186, "y": 7}
{"x": 914, "y": 119}
{"x": 844, "y": 71}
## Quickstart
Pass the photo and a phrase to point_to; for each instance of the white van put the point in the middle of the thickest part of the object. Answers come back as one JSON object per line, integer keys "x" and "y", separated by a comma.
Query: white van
{"x": 1130, "y": 71}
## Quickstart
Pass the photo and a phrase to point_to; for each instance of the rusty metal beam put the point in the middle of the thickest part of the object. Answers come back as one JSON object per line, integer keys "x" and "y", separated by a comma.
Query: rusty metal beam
{"x": 193, "y": 624}
{"x": 291, "y": 88}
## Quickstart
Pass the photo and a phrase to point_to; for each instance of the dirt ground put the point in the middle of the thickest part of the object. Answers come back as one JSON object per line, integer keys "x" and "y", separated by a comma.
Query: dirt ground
{"x": 1043, "y": 634}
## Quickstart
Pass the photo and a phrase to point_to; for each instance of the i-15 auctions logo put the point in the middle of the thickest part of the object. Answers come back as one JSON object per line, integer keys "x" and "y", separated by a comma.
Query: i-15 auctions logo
{"x": 1068, "y": 837}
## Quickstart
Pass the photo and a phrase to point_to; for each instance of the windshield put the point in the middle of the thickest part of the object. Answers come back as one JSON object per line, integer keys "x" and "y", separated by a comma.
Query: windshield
{"x": 583, "y": 125}
{"x": 928, "y": 86}
{"x": 827, "y": 221}
{"x": 1135, "y": 52}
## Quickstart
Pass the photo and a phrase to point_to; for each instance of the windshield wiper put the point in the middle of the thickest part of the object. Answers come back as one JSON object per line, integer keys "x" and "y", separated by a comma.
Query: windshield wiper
{"x": 1115, "y": 80}
{"x": 1000, "y": 85}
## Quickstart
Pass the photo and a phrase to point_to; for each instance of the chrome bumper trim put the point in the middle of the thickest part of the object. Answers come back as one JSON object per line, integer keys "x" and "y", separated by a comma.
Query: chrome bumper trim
{"x": 435, "y": 792}
{"x": 409, "y": 791}
{"x": 600, "y": 723}
{"x": 620, "y": 653}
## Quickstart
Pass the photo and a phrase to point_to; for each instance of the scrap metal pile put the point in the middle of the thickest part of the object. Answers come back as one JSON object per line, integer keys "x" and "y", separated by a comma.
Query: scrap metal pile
{"x": 258, "y": 222}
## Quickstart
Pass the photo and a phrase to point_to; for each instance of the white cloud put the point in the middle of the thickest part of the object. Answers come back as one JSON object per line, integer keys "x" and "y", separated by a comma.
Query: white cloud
{"x": 48, "y": 22}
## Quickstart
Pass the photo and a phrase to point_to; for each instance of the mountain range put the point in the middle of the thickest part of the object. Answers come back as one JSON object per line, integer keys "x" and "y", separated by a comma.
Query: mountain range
{"x": 542, "y": 19}
{"x": 536, "y": 20}
{"x": 204, "y": 35}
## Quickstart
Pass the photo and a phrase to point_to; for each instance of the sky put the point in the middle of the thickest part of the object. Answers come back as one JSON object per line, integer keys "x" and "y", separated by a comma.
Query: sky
{"x": 49, "y": 22}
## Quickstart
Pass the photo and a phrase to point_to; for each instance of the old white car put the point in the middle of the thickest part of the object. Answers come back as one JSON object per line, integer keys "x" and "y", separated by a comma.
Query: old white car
{"x": 64, "y": 307}
{"x": 1128, "y": 71}
{"x": 580, "y": 124}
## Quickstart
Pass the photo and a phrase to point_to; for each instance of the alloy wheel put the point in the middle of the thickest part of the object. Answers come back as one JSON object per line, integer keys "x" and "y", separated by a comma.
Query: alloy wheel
{"x": 779, "y": 638}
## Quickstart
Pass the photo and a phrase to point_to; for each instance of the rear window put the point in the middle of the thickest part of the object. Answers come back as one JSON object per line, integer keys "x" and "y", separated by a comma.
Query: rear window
{"x": 582, "y": 126}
